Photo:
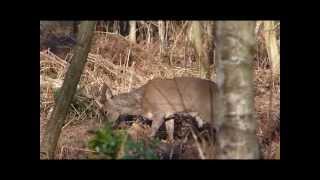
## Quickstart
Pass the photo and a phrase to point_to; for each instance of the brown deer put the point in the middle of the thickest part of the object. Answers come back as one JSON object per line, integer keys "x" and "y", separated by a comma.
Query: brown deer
{"x": 161, "y": 98}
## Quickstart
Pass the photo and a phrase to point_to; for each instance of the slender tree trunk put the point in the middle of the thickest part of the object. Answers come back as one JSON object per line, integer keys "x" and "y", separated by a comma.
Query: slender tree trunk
{"x": 116, "y": 27}
{"x": 55, "y": 123}
{"x": 270, "y": 37}
{"x": 163, "y": 40}
{"x": 210, "y": 47}
{"x": 150, "y": 32}
{"x": 132, "y": 35}
{"x": 75, "y": 28}
{"x": 234, "y": 115}
{"x": 197, "y": 41}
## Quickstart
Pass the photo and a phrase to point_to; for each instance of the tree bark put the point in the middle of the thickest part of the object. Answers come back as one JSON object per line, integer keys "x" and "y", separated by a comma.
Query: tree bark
{"x": 56, "y": 121}
{"x": 234, "y": 115}
{"x": 132, "y": 35}
{"x": 272, "y": 47}
{"x": 163, "y": 40}
{"x": 197, "y": 42}
{"x": 210, "y": 48}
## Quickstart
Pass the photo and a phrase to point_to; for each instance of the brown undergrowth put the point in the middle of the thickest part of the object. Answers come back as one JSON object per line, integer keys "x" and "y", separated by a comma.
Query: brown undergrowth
{"x": 126, "y": 66}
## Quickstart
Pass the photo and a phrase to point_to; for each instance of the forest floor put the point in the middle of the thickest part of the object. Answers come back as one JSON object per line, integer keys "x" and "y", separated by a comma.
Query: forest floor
{"x": 126, "y": 66}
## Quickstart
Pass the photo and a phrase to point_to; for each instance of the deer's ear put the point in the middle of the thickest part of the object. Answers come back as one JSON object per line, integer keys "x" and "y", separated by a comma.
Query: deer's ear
{"x": 105, "y": 93}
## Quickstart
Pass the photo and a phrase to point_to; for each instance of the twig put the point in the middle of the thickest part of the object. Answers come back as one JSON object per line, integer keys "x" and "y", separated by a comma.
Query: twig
{"x": 131, "y": 74}
{"x": 198, "y": 144}
{"x": 81, "y": 149}
{"x": 171, "y": 152}
{"x": 61, "y": 152}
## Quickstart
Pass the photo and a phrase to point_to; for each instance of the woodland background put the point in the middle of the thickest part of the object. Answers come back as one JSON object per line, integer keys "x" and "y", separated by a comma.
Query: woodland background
{"x": 128, "y": 60}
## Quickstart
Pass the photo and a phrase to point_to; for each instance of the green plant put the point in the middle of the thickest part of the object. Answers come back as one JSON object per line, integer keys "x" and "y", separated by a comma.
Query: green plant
{"x": 116, "y": 144}
{"x": 107, "y": 141}
{"x": 140, "y": 149}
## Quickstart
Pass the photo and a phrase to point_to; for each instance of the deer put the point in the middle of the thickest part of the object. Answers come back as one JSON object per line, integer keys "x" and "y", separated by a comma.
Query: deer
{"x": 159, "y": 99}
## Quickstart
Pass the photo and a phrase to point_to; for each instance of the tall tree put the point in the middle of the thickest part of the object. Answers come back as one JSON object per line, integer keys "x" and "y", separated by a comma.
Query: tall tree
{"x": 68, "y": 89}
{"x": 133, "y": 29}
{"x": 163, "y": 39}
{"x": 209, "y": 42}
{"x": 196, "y": 32}
{"x": 270, "y": 37}
{"x": 234, "y": 115}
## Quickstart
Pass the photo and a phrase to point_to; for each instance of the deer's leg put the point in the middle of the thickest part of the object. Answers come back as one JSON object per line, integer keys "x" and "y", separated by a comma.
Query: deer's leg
{"x": 170, "y": 129}
{"x": 157, "y": 121}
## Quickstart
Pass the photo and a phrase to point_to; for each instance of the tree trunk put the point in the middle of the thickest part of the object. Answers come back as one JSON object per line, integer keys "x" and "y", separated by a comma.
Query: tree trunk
{"x": 272, "y": 47}
{"x": 234, "y": 115}
{"x": 132, "y": 35}
{"x": 75, "y": 28}
{"x": 197, "y": 42}
{"x": 163, "y": 40}
{"x": 149, "y": 34}
{"x": 210, "y": 47}
{"x": 116, "y": 27}
{"x": 72, "y": 77}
